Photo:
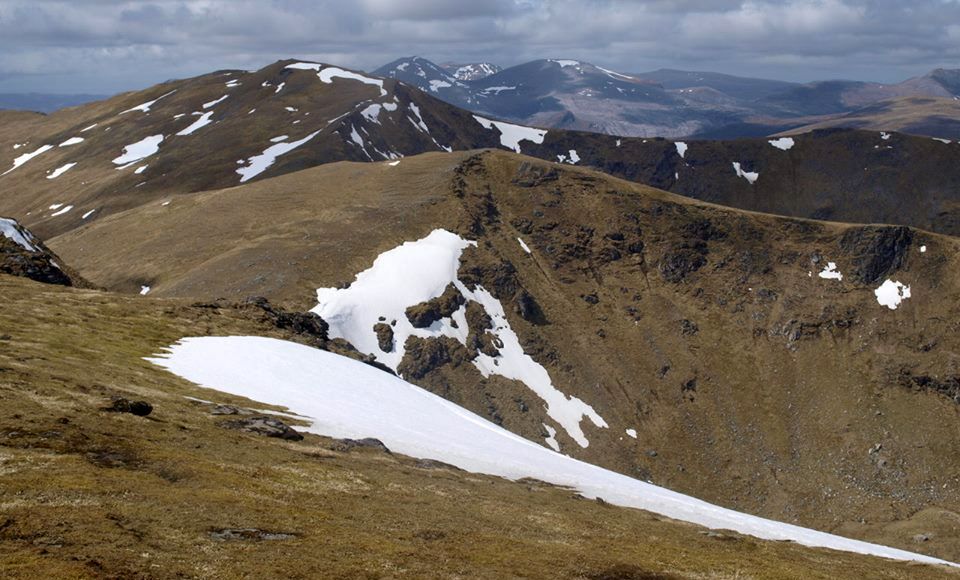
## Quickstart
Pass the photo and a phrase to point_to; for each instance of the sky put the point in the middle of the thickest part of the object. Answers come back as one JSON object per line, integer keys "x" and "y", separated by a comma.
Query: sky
{"x": 107, "y": 46}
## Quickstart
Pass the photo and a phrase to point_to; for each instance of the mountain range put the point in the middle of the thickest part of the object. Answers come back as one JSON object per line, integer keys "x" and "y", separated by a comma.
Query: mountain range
{"x": 571, "y": 94}
{"x": 678, "y": 313}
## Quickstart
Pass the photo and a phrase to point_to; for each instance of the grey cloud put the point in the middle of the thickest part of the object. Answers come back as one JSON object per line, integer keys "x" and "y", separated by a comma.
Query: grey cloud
{"x": 110, "y": 45}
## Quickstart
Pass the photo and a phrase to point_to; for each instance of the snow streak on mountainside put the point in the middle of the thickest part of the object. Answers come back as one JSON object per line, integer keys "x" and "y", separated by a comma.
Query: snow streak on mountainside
{"x": 346, "y": 398}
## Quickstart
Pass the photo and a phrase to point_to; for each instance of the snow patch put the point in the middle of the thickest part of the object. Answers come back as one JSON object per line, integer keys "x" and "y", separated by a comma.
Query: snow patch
{"x": 347, "y": 399}
{"x": 139, "y": 150}
{"x": 27, "y": 157}
{"x": 88, "y": 214}
{"x": 62, "y": 211}
{"x": 326, "y": 75}
{"x": 84, "y": 130}
{"x": 144, "y": 290}
{"x": 436, "y": 85}
{"x": 511, "y": 135}
{"x": 260, "y": 163}
{"x": 145, "y": 107}
{"x": 631, "y": 433}
{"x": 681, "y": 148}
{"x": 216, "y": 102}
{"x": 784, "y": 143}
{"x": 524, "y": 245}
{"x": 830, "y": 272}
{"x": 891, "y": 294}
{"x": 140, "y": 169}
{"x": 551, "y": 438}
{"x": 200, "y": 123}
{"x": 72, "y": 141}
{"x": 750, "y": 176}
{"x": 61, "y": 170}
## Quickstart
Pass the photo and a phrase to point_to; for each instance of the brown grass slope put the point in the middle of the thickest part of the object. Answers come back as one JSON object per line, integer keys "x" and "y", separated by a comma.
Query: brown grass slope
{"x": 929, "y": 116}
{"x": 751, "y": 381}
{"x": 88, "y": 493}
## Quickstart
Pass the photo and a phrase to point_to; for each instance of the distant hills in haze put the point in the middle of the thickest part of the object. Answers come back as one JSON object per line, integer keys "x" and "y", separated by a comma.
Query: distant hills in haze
{"x": 43, "y": 102}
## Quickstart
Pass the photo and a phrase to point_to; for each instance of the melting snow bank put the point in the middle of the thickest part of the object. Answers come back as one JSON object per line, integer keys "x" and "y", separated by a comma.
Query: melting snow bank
{"x": 511, "y": 135}
{"x": 417, "y": 272}
{"x": 15, "y": 233}
{"x": 260, "y": 163}
{"x": 891, "y": 294}
{"x": 346, "y": 398}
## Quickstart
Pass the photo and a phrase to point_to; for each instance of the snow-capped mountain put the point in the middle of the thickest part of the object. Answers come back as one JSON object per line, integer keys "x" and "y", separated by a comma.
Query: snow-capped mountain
{"x": 471, "y": 72}
{"x": 428, "y": 77}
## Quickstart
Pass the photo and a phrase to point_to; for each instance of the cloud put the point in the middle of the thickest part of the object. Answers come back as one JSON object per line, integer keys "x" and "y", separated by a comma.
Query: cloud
{"x": 109, "y": 45}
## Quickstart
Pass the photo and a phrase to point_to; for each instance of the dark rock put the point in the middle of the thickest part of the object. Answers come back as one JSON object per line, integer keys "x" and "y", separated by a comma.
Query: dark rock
{"x": 529, "y": 309}
{"x": 429, "y": 535}
{"x": 249, "y": 534}
{"x": 121, "y": 405}
{"x": 590, "y": 298}
{"x": 38, "y": 264}
{"x": 424, "y": 315}
{"x": 384, "y": 336}
{"x": 304, "y": 323}
{"x": 530, "y": 175}
{"x": 424, "y": 355}
{"x": 876, "y": 251}
{"x": 229, "y": 410}
{"x": 434, "y": 464}
{"x": 269, "y": 426}
{"x": 345, "y": 445}
{"x": 679, "y": 262}
{"x": 688, "y": 327}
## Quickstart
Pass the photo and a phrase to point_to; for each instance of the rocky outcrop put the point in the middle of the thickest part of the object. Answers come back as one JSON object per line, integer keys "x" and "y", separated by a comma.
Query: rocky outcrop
{"x": 22, "y": 254}
{"x": 425, "y": 314}
{"x": 876, "y": 251}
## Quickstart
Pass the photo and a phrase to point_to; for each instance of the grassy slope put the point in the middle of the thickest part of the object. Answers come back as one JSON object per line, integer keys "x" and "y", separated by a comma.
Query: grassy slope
{"x": 87, "y": 493}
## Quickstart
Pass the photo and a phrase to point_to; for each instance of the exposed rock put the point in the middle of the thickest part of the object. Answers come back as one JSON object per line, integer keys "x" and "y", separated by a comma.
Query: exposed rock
{"x": 679, "y": 262}
{"x": 304, "y": 323}
{"x": 384, "y": 336}
{"x": 948, "y": 386}
{"x": 427, "y": 354}
{"x": 425, "y": 314}
{"x": 28, "y": 257}
{"x": 365, "y": 443}
{"x": 531, "y": 175}
{"x": 528, "y": 309}
{"x": 876, "y": 251}
{"x": 122, "y": 405}
{"x": 249, "y": 534}
{"x": 230, "y": 410}
{"x": 269, "y": 426}
{"x": 688, "y": 327}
